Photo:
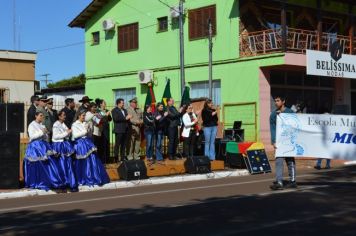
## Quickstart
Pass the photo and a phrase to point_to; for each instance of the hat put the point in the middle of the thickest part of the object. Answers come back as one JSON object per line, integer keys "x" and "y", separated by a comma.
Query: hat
{"x": 69, "y": 100}
{"x": 50, "y": 101}
{"x": 133, "y": 99}
{"x": 44, "y": 98}
{"x": 85, "y": 99}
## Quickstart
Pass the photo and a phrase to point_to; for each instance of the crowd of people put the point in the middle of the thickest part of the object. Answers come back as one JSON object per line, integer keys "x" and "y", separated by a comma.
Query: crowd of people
{"x": 67, "y": 148}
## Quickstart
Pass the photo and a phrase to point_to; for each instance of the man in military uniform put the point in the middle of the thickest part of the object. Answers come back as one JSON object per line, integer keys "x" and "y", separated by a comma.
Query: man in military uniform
{"x": 47, "y": 121}
{"x": 134, "y": 131}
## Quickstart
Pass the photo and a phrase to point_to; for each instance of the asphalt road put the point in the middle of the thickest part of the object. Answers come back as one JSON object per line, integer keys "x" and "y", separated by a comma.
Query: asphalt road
{"x": 323, "y": 204}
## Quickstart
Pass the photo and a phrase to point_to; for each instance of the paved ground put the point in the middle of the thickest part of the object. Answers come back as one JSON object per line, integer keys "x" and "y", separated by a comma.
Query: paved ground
{"x": 324, "y": 204}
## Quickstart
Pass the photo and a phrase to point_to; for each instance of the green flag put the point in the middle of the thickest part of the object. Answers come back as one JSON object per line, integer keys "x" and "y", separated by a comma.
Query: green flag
{"x": 167, "y": 93}
{"x": 185, "y": 97}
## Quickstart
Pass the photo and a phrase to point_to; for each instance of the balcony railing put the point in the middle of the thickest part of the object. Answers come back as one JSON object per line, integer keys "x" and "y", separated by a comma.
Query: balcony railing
{"x": 298, "y": 40}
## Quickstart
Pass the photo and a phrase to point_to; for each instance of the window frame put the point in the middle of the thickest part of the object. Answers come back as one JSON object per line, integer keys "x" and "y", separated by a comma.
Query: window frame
{"x": 193, "y": 14}
{"x": 125, "y": 97}
{"x": 128, "y": 34}
{"x": 215, "y": 82}
{"x": 159, "y": 24}
{"x": 93, "y": 42}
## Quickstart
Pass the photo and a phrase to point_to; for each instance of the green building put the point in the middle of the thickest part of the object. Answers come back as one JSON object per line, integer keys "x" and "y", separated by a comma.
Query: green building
{"x": 259, "y": 49}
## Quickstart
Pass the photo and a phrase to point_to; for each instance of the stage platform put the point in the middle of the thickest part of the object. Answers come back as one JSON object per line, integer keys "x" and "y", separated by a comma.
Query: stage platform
{"x": 166, "y": 168}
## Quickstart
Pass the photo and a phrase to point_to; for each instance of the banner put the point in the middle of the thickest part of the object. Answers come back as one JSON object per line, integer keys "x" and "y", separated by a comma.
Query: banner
{"x": 313, "y": 135}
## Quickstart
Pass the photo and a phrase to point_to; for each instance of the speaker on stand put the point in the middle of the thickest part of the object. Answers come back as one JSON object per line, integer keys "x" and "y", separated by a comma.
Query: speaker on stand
{"x": 9, "y": 160}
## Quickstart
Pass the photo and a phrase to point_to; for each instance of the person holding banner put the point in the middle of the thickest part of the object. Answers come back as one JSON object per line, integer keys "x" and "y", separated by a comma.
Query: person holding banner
{"x": 278, "y": 184}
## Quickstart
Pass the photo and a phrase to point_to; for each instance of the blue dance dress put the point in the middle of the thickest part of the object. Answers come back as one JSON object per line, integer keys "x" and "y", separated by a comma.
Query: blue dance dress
{"x": 39, "y": 170}
{"x": 63, "y": 162}
{"x": 88, "y": 168}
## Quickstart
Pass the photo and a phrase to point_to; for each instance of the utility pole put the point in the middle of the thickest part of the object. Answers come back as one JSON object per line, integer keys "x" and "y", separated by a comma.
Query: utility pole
{"x": 181, "y": 44}
{"x": 14, "y": 22}
{"x": 46, "y": 80}
{"x": 210, "y": 59}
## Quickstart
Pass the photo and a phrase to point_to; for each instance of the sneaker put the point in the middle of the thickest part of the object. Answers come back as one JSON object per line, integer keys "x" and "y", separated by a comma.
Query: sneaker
{"x": 292, "y": 184}
{"x": 327, "y": 167}
{"x": 317, "y": 167}
{"x": 276, "y": 186}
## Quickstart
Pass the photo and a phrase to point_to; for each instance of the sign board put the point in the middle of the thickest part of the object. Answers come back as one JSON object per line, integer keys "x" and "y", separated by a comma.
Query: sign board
{"x": 313, "y": 135}
{"x": 332, "y": 64}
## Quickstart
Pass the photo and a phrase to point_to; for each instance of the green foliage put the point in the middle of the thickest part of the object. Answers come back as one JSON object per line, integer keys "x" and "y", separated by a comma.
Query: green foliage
{"x": 73, "y": 81}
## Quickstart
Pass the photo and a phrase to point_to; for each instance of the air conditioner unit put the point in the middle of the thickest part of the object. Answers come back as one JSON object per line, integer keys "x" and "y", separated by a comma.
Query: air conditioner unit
{"x": 108, "y": 24}
{"x": 145, "y": 76}
{"x": 174, "y": 12}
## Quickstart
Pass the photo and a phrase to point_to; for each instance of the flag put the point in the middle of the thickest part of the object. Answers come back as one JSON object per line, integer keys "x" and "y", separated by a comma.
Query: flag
{"x": 185, "y": 97}
{"x": 150, "y": 98}
{"x": 166, "y": 93}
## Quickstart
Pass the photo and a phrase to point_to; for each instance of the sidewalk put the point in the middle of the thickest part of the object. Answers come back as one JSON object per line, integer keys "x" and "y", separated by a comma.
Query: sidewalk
{"x": 6, "y": 194}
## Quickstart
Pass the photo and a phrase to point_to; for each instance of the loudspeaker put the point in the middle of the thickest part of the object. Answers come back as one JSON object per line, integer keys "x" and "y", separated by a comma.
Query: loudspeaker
{"x": 12, "y": 117}
{"x": 2, "y": 117}
{"x": 9, "y": 160}
{"x": 15, "y": 117}
{"x": 257, "y": 162}
{"x": 235, "y": 160}
{"x": 133, "y": 170}
{"x": 198, "y": 165}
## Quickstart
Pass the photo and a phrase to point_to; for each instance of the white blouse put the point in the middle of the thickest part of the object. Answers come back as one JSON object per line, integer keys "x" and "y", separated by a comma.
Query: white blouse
{"x": 188, "y": 124}
{"x": 92, "y": 121}
{"x": 79, "y": 129}
{"x": 60, "y": 132}
{"x": 36, "y": 131}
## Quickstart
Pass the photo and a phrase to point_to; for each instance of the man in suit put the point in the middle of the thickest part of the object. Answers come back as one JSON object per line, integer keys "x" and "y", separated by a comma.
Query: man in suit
{"x": 134, "y": 131}
{"x": 174, "y": 120}
{"x": 31, "y": 113}
{"x": 121, "y": 121}
{"x": 70, "y": 112}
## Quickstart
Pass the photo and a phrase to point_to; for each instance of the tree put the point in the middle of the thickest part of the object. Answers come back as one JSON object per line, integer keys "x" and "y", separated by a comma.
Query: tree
{"x": 73, "y": 81}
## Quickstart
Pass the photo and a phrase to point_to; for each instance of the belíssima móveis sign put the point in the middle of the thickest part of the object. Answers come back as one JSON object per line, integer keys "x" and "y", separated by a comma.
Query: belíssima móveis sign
{"x": 332, "y": 64}
{"x": 319, "y": 136}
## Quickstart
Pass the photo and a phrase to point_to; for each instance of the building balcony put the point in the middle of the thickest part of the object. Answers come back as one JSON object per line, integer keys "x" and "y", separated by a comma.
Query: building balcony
{"x": 297, "y": 41}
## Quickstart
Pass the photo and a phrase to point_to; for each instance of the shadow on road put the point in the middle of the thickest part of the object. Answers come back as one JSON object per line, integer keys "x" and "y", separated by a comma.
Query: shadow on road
{"x": 322, "y": 205}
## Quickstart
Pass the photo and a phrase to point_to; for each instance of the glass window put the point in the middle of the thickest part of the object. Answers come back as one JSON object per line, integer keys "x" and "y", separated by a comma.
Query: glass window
{"x": 127, "y": 94}
{"x": 95, "y": 38}
{"x": 327, "y": 82}
{"x": 201, "y": 89}
{"x": 311, "y": 81}
{"x": 162, "y": 24}
{"x": 294, "y": 78}
{"x": 353, "y": 84}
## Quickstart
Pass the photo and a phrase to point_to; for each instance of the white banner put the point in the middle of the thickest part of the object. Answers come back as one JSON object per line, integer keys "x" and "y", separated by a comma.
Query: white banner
{"x": 319, "y": 136}
{"x": 323, "y": 64}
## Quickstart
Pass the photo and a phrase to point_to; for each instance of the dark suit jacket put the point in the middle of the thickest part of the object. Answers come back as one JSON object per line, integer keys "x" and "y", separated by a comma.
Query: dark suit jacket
{"x": 120, "y": 123}
{"x": 173, "y": 117}
{"x": 54, "y": 116}
{"x": 69, "y": 116}
{"x": 31, "y": 114}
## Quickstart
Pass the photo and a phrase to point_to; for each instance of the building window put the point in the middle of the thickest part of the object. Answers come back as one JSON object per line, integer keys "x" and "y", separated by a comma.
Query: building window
{"x": 126, "y": 94}
{"x": 95, "y": 38}
{"x": 4, "y": 95}
{"x": 162, "y": 24}
{"x": 201, "y": 89}
{"x": 198, "y": 22}
{"x": 128, "y": 37}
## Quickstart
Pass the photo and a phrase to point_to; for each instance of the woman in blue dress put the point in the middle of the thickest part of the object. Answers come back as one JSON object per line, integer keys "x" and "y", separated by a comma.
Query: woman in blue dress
{"x": 64, "y": 151}
{"x": 88, "y": 168}
{"x": 39, "y": 171}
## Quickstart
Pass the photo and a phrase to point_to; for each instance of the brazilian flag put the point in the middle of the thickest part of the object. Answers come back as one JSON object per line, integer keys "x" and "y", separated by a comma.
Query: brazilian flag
{"x": 167, "y": 93}
{"x": 185, "y": 97}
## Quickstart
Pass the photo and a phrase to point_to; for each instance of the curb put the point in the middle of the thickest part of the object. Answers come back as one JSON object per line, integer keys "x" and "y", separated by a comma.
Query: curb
{"x": 134, "y": 183}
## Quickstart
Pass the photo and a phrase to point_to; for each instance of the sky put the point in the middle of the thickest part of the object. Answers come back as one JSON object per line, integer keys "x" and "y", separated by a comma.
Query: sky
{"x": 43, "y": 24}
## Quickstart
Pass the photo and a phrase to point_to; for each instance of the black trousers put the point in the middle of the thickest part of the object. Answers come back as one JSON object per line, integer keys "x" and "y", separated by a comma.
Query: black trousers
{"x": 189, "y": 144}
{"x": 99, "y": 143}
{"x": 120, "y": 143}
{"x": 172, "y": 140}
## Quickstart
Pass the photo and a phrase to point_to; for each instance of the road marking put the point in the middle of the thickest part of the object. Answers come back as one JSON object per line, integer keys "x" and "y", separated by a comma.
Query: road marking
{"x": 100, "y": 216}
{"x": 140, "y": 194}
